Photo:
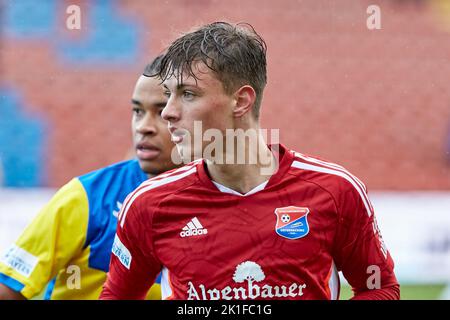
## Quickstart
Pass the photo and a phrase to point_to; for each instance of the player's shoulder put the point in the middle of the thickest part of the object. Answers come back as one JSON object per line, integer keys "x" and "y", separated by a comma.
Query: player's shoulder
{"x": 128, "y": 166}
{"x": 126, "y": 173}
{"x": 168, "y": 183}
{"x": 329, "y": 175}
{"x": 152, "y": 191}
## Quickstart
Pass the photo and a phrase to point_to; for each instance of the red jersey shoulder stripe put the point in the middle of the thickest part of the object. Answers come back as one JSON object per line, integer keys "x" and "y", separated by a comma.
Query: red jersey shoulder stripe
{"x": 157, "y": 178}
{"x": 328, "y": 167}
{"x": 152, "y": 184}
{"x": 312, "y": 164}
{"x": 172, "y": 172}
{"x": 330, "y": 164}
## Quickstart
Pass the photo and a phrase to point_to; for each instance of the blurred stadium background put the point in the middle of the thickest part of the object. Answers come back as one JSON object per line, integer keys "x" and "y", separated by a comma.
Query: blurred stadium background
{"x": 375, "y": 101}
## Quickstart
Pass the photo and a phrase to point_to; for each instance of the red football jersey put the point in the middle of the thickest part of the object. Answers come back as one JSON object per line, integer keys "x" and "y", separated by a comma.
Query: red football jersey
{"x": 286, "y": 239}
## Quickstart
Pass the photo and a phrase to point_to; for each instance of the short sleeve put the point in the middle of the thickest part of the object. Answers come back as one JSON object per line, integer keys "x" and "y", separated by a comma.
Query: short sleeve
{"x": 359, "y": 250}
{"x": 48, "y": 243}
{"x": 133, "y": 267}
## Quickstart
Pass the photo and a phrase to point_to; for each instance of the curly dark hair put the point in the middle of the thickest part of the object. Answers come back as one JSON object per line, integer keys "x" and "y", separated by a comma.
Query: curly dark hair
{"x": 235, "y": 53}
{"x": 152, "y": 69}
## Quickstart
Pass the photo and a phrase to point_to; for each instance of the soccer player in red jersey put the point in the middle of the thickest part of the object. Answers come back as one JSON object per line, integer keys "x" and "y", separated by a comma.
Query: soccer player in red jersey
{"x": 244, "y": 220}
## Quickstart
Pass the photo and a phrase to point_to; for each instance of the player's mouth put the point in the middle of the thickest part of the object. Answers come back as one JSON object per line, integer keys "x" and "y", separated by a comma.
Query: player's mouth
{"x": 176, "y": 134}
{"x": 147, "y": 151}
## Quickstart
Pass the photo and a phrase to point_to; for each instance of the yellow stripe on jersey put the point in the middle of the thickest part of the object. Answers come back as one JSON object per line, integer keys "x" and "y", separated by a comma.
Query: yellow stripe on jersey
{"x": 54, "y": 248}
{"x": 52, "y": 239}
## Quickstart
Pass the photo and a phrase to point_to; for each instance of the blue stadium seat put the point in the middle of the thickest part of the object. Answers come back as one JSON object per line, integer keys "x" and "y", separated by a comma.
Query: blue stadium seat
{"x": 109, "y": 38}
{"x": 29, "y": 18}
{"x": 22, "y": 144}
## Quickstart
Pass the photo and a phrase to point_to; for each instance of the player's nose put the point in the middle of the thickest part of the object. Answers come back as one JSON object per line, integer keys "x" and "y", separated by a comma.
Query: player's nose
{"x": 171, "y": 111}
{"x": 147, "y": 125}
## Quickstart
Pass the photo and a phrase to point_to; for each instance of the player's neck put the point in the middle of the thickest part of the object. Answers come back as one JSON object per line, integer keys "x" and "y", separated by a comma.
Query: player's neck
{"x": 243, "y": 176}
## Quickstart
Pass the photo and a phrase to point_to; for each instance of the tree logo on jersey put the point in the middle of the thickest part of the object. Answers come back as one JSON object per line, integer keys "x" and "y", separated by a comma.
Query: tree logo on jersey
{"x": 292, "y": 222}
{"x": 249, "y": 276}
{"x": 250, "y": 271}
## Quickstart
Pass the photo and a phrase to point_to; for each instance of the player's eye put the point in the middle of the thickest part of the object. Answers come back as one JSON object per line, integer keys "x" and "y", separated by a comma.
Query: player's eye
{"x": 137, "y": 111}
{"x": 167, "y": 93}
{"x": 188, "y": 95}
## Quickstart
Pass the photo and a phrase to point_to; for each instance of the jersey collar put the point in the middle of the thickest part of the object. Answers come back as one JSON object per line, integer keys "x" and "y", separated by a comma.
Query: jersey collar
{"x": 281, "y": 153}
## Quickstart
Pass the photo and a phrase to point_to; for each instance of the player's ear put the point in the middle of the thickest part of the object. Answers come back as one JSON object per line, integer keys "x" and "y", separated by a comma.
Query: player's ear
{"x": 245, "y": 98}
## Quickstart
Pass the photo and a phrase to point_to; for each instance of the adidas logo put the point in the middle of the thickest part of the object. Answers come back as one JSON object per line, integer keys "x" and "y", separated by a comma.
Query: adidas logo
{"x": 193, "y": 228}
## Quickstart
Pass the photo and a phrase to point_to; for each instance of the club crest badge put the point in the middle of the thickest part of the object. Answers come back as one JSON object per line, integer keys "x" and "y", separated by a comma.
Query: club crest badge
{"x": 292, "y": 222}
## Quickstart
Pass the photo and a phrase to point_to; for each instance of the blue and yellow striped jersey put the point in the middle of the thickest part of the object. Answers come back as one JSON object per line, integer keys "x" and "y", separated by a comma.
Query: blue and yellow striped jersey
{"x": 66, "y": 249}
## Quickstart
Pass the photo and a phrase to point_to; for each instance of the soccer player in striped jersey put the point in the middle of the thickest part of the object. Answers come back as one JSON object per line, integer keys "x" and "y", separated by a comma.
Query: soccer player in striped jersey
{"x": 229, "y": 229}
{"x": 66, "y": 248}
